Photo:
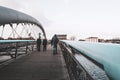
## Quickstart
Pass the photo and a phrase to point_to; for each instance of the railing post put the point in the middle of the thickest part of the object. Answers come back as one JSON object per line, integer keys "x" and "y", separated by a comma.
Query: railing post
{"x": 16, "y": 49}
{"x": 32, "y": 46}
{"x": 26, "y": 47}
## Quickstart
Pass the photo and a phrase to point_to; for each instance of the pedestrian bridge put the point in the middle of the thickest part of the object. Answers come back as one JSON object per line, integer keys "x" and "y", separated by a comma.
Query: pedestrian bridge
{"x": 75, "y": 60}
{"x": 35, "y": 65}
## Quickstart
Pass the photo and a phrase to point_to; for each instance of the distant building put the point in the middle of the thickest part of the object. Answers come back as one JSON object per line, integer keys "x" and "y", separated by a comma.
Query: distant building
{"x": 101, "y": 40}
{"x": 81, "y": 40}
{"x": 10, "y": 38}
{"x": 62, "y": 36}
{"x": 92, "y": 39}
{"x": 113, "y": 41}
{"x": 1, "y": 38}
{"x": 72, "y": 38}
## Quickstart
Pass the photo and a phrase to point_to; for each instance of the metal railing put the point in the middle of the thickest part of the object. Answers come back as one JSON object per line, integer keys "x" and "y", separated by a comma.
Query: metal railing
{"x": 76, "y": 69}
{"x": 15, "y": 48}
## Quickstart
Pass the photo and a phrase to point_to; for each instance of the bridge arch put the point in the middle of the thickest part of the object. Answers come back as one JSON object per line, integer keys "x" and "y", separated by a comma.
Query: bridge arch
{"x": 10, "y": 16}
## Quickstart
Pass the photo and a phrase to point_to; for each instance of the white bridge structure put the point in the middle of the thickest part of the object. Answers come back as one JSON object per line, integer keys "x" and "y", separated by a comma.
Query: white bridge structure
{"x": 10, "y": 16}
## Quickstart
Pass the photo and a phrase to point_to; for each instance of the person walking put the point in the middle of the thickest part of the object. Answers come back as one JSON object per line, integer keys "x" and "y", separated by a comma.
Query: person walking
{"x": 44, "y": 44}
{"x": 54, "y": 43}
{"x": 39, "y": 43}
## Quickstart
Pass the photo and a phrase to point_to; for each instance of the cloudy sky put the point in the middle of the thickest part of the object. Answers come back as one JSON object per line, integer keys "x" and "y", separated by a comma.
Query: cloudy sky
{"x": 79, "y": 18}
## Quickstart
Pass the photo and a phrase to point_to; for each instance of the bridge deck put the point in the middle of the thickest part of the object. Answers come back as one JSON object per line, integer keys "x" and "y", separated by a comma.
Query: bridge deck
{"x": 36, "y": 66}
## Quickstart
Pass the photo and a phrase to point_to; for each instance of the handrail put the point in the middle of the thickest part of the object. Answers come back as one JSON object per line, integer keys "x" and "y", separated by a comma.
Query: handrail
{"x": 79, "y": 66}
{"x": 7, "y": 41}
{"x": 13, "y": 47}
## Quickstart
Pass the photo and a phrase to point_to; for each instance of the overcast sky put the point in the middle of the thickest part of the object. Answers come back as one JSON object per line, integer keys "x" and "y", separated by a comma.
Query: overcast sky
{"x": 79, "y": 18}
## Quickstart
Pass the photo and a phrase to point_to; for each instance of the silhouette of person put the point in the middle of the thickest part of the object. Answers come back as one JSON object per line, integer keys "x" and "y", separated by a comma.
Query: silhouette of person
{"x": 44, "y": 44}
{"x": 54, "y": 43}
{"x": 39, "y": 42}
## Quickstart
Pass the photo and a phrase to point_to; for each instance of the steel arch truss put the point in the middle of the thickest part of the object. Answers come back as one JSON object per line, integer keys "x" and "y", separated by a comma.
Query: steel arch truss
{"x": 10, "y": 16}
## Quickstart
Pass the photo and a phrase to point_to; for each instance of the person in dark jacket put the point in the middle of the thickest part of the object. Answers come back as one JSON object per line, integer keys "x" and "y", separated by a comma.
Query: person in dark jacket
{"x": 54, "y": 43}
{"x": 44, "y": 44}
{"x": 39, "y": 43}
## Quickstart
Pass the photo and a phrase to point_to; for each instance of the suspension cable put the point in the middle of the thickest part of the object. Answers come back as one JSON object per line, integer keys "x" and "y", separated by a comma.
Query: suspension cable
{"x": 12, "y": 30}
{"x": 2, "y": 31}
{"x": 32, "y": 30}
{"x": 25, "y": 29}
{"x": 22, "y": 30}
{"x": 15, "y": 30}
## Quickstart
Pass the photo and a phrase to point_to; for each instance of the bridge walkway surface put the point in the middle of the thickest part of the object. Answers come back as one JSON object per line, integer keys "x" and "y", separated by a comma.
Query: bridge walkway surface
{"x": 36, "y": 66}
